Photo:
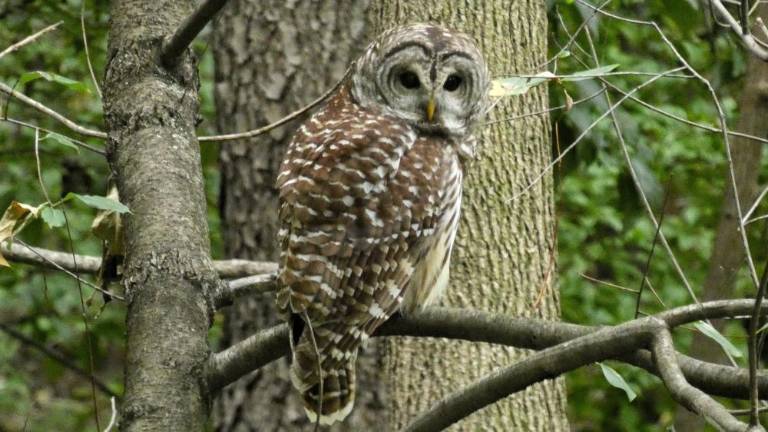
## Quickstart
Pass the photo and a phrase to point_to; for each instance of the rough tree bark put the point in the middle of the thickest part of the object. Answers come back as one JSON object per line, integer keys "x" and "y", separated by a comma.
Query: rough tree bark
{"x": 272, "y": 58}
{"x": 504, "y": 257}
{"x": 727, "y": 251}
{"x": 150, "y": 115}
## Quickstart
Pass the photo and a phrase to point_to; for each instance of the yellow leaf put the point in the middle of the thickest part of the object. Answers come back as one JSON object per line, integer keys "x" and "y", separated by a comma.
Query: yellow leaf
{"x": 15, "y": 213}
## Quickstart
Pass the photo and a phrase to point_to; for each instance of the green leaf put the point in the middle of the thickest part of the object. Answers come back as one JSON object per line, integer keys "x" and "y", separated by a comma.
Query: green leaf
{"x": 715, "y": 335}
{"x": 52, "y": 77}
{"x": 53, "y": 217}
{"x": 61, "y": 139}
{"x": 513, "y": 86}
{"x": 99, "y": 202}
{"x": 589, "y": 73}
{"x": 617, "y": 381}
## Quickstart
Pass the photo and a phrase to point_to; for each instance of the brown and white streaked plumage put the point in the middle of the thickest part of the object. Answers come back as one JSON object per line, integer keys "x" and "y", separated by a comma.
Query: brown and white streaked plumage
{"x": 370, "y": 191}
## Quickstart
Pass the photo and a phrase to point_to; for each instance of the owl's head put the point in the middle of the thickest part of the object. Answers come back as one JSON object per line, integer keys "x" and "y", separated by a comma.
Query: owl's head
{"x": 432, "y": 77}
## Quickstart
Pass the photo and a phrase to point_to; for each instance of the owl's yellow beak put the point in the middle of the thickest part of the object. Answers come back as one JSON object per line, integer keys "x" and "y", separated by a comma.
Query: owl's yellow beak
{"x": 431, "y": 108}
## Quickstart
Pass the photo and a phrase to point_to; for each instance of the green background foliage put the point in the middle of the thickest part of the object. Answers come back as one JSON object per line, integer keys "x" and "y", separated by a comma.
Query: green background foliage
{"x": 603, "y": 231}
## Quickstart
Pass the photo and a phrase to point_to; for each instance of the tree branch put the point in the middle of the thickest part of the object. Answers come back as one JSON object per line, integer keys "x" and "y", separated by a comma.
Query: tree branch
{"x": 90, "y": 265}
{"x": 687, "y": 395}
{"x": 174, "y": 47}
{"x": 292, "y": 116}
{"x": 242, "y": 287}
{"x": 268, "y": 345}
{"x": 51, "y": 113}
{"x": 83, "y": 264}
{"x": 550, "y": 363}
{"x": 604, "y": 343}
{"x": 749, "y": 42}
{"x": 29, "y": 39}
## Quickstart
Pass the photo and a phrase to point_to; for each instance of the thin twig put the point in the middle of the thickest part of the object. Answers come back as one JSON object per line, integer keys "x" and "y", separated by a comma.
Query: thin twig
{"x": 51, "y": 113}
{"x": 29, "y": 39}
{"x": 84, "y": 311}
{"x": 282, "y": 121}
{"x": 548, "y": 110}
{"x": 55, "y": 265}
{"x": 647, "y": 268}
{"x": 620, "y": 137}
{"x": 86, "y": 264}
{"x": 684, "y": 120}
{"x": 319, "y": 369}
{"x": 174, "y": 47}
{"x": 755, "y": 204}
{"x": 723, "y": 127}
{"x": 35, "y": 127}
{"x": 595, "y": 76}
{"x": 585, "y": 132}
{"x": 573, "y": 37}
{"x": 606, "y": 283}
{"x": 55, "y": 356}
{"x": 87, "y": 52}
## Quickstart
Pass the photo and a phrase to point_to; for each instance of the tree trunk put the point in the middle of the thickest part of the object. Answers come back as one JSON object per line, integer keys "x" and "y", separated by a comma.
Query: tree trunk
{"x": 272, "y": 58}
{"x": 727, "y": 252}
{"x": 150, "y": 114}
{"x": 504, "y": 257}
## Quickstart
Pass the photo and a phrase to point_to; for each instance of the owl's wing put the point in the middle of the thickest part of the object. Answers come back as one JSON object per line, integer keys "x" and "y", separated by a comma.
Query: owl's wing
{"x": 345, "y": 213}
{"x": 360, "y": 202}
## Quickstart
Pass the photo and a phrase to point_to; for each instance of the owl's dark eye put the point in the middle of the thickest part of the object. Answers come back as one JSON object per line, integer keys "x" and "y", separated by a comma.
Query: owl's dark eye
{"x": 409, "y": 80}
{"x": 452, "y": 82}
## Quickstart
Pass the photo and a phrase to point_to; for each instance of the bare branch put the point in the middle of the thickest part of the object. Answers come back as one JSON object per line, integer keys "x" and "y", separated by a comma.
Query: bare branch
{"x": 72, "y": 274}
{"x": 268, "y": 345}
{"x": 174, "y": 47}
{"x": 546, "y": 364}
{"x": 292, "y": 116}
{"x": 585, "y": 132}
{"x": 29, "y": 39}
{"x": 51, "y": 113}
{"x": 87, "y": 51}
{"x": 744, "y": 35}
{"x": 35, "y": 127}
{"x": 242, "y": 287}
{"x": 46, "y": 258}
{"x": 90, "y": 264}
{"x": 237, "y": 268}
{"x": 684, "y": 393}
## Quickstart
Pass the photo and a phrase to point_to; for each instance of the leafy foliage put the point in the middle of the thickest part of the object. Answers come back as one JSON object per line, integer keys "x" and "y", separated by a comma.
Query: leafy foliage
{"x": 604, "y": 232}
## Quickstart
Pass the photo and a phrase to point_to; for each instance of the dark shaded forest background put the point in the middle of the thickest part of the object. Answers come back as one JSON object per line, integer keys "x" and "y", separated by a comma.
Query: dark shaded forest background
{"x": 603, "y": 233}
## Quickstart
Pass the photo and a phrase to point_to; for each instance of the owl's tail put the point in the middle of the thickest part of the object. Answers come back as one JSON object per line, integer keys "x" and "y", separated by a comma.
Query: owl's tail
{"x": 333, "y": 400}
{"x": 338, "y": 396}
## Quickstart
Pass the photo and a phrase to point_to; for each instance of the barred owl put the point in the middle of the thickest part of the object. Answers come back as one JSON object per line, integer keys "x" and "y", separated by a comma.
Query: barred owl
{"x": 370, "y": 191}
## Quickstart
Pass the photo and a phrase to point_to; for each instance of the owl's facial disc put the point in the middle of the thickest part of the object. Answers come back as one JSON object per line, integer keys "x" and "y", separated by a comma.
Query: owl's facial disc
{"x": 432, "y": 91}
{"x": 433, "y": 78}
